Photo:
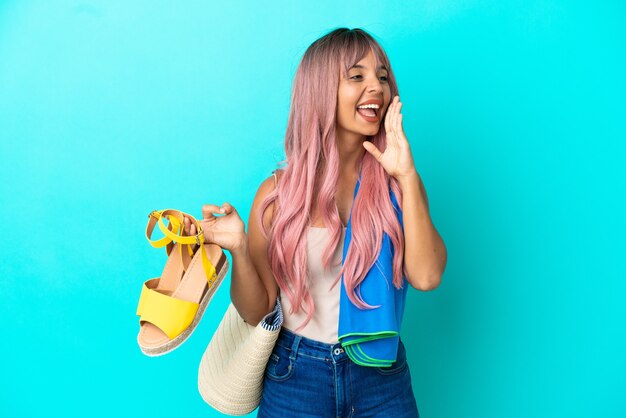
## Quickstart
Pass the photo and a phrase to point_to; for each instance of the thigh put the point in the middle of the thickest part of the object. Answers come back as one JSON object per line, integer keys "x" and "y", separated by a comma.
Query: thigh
{"x": 378, "y": 391}
{"x": 296, "y": 387}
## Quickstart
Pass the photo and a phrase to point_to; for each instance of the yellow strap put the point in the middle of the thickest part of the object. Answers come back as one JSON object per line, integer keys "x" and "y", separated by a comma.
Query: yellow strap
{"x": 176, "y": 218}
{"x": 174, "y": 223}
{"x": 170, "y": 314}
{"x": 209, "y": 268}
{"x": 175, "y": 229}
{"x": 182, "y": 239}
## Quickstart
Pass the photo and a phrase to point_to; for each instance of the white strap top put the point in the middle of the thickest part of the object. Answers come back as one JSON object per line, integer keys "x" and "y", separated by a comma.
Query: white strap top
{"x": 325, "y": 321}
{"x": 324, "y": 324}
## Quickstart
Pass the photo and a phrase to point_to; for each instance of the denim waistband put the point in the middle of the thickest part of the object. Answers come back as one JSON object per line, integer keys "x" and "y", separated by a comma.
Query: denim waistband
{"x": 301, "y": 345}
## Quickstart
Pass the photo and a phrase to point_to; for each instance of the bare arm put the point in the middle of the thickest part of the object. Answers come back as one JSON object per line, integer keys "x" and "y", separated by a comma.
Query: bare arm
{"x": 425, "y": 253}
{"x": 253, "y": 289}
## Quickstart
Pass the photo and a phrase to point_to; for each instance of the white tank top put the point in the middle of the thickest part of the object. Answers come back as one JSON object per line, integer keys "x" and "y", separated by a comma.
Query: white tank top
{"x": 325, "y": 321}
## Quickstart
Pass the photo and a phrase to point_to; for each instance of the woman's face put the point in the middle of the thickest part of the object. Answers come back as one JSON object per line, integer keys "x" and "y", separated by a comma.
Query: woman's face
{"x": 364, "y": 84}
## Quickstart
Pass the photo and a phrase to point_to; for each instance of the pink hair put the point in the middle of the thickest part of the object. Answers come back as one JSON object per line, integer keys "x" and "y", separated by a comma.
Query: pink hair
{"x": 312, "y": 172}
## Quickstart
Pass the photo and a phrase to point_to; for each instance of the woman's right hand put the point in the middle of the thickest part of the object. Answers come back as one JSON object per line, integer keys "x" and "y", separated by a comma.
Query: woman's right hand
{"x": 227, "y": 231}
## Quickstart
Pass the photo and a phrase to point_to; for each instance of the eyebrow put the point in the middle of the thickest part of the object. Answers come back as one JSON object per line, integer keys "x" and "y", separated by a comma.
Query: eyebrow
{"x": 380, "y": 67}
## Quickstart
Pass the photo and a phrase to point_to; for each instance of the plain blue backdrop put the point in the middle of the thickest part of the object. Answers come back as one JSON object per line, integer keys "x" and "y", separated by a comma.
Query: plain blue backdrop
{"x": 515, "y": 111}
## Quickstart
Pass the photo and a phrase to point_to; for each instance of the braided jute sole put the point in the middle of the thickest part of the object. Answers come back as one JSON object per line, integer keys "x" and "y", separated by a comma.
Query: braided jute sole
{"x": 204, "y": 302}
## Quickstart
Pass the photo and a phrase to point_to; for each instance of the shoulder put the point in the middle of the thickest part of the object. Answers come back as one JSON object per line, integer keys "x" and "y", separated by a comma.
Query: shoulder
{"x": 266, "y": 187}
{"x": 269, "y": 184}
{"x": 258, "y": 243}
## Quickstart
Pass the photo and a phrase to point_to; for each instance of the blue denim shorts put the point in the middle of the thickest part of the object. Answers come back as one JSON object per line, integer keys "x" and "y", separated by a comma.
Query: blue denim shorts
{"x": 309, "y": 378}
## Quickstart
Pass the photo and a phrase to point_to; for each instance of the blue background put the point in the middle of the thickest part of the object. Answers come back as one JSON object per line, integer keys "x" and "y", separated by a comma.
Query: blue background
{"x": 515, "y": 111}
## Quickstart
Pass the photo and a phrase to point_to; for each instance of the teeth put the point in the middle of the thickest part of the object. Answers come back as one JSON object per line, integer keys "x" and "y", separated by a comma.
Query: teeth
{"x": 369, "y": 106}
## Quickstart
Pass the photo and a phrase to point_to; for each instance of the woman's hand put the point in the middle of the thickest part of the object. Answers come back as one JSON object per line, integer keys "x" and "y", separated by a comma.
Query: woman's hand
{"x": 397, "y": 159}
{"x": 227, "y": 231}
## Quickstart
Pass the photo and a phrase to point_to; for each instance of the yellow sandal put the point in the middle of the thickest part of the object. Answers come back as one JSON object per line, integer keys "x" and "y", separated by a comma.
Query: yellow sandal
{"x": 171, "y": 306}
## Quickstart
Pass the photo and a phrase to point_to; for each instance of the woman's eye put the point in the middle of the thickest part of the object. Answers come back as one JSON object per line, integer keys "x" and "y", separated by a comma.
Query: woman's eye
{"x": 384, "y": 78}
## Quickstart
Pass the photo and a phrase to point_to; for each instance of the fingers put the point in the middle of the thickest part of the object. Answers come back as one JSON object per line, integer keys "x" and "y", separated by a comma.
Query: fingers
{"x": 389, "y": 116}
{"x": 398, "y": 118}
{"x": 227, "y": 208}
{"x": 393, "y": 121}
{"x": 372, "y": 149}
{"x": 188, "y": 227}
{"x": 209, "y": 210}
{"x": 398, "y": 121}
{"x": 394, "y": 113}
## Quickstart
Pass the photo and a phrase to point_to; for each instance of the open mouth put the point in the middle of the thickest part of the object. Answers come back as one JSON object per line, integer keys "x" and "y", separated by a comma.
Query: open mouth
{"x": 369, "y": 112}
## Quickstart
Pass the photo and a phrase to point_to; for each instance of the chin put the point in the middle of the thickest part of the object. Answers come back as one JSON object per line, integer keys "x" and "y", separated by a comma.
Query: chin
{"x": 366, "y": 131}
{"x": 371, "y": 132}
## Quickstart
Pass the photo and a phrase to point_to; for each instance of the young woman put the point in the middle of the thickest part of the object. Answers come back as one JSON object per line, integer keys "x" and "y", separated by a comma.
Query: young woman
{"x": 343, "y": 91}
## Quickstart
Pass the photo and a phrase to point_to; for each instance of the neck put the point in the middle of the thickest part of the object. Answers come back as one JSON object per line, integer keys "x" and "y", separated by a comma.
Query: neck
{"x": 351, "y": 152}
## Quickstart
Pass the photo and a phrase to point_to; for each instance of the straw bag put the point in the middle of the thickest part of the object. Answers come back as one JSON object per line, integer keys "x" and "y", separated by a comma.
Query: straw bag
{"x": 230, "y": 377}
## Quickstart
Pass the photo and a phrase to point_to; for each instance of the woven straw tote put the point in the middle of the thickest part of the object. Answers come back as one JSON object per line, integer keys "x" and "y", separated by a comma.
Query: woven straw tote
{"x": 230, "y": 377}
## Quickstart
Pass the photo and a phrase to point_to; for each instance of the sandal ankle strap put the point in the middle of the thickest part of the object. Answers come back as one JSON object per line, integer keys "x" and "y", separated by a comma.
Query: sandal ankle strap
{"x": 176, "y": 219}
{"x": 174, "y": 229}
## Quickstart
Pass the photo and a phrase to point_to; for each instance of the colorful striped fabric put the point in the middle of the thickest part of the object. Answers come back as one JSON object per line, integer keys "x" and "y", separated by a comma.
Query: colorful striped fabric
{"x": 371, "y": 336}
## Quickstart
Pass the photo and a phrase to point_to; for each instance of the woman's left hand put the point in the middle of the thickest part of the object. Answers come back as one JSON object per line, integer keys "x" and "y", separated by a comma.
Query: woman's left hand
{"x": 397, "y": 159}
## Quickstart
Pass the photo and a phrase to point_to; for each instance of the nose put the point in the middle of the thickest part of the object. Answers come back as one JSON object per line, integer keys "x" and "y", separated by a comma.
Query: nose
{"x": 375, "y": 86}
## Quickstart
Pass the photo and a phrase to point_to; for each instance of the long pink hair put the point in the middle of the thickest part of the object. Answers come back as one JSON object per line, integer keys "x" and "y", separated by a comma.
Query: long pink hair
{"x": 311, "y": 175}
